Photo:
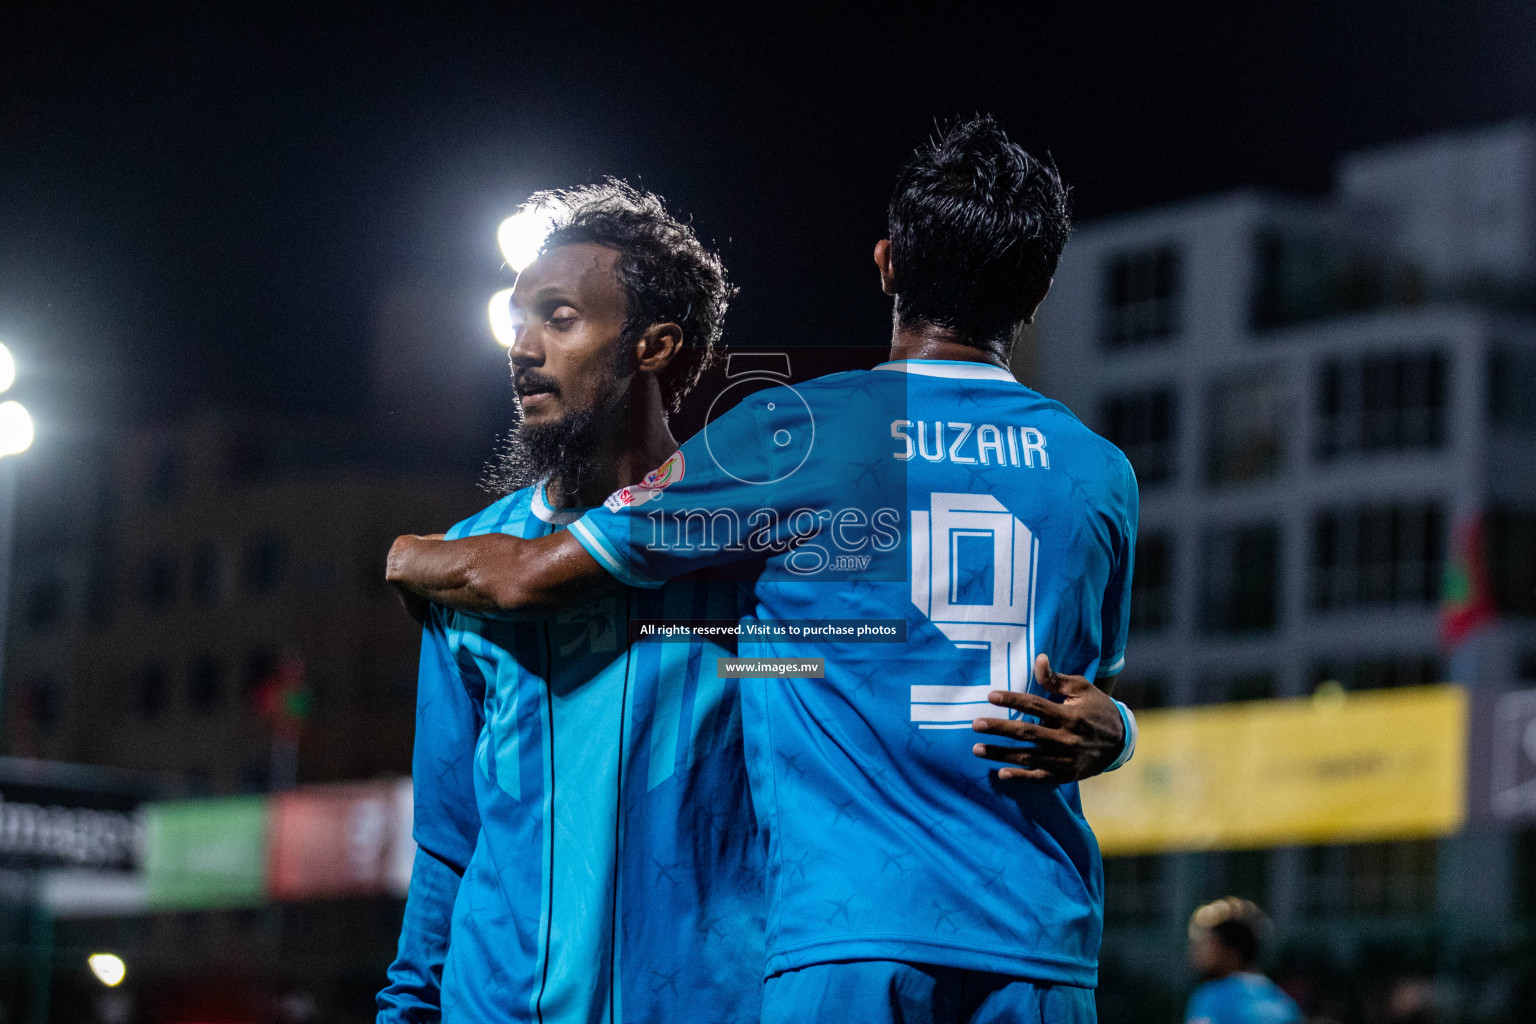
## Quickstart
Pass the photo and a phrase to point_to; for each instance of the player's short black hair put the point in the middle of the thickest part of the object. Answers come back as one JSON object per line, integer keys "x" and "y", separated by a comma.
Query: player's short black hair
{"x": 1236, "y": 923}
{"x": 976, "y": 227}
{"x": 668, "y": 274}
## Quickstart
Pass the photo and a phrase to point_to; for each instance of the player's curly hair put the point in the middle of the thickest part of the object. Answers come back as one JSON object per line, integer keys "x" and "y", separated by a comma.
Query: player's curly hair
{"x": 668, "y": 274}
{"x": 976, "y": 227}
{"x": 1236, "y": 923}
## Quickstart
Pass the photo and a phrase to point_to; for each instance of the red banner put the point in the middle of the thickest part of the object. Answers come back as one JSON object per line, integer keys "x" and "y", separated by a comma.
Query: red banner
{"x": 344, "y": 840}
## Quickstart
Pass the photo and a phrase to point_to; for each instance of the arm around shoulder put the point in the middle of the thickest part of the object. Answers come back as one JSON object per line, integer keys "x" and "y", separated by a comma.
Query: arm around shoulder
{"x": 495, "y": 573}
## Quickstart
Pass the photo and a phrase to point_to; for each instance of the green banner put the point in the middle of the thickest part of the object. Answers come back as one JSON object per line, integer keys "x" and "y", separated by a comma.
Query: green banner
{"x": 206, "y": 853}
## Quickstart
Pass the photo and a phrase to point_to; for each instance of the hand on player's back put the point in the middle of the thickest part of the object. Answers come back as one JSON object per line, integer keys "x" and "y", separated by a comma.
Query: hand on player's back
{"x": 1074, "y": 739}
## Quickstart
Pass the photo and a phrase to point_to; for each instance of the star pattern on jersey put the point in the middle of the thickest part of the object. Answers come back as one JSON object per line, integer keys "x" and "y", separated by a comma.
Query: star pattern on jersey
{"x": 970, "y": 398}
{"x": 943, "y": 917}
{"x": 893, "y": 860}
{"x": 665, "y": 980}
{"x": 936, "y": 824}
{"x": 919, "y": 742}
{"x": 710, "y": 924}
{"x": 976, "y": 477}
{"x": 865, "y": 675}
{"x": 839, "y": 909}
{"x": 795, "y": 867}
{"x": 792, "y": 762}
{"x": 866, "y": 471}
{"x": 664, "y": 870}
{"x": 863, "y": 383}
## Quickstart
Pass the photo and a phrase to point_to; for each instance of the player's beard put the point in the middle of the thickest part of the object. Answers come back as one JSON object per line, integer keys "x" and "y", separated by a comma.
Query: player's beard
{"x": 567, "y": 450}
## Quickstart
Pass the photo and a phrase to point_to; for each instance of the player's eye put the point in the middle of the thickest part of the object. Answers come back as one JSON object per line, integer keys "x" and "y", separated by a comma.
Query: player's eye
{"x": 561, "y": 318}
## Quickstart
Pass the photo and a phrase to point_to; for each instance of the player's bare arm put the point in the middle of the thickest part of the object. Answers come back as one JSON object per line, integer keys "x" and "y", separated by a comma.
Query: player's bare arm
{"x": 495, "y": 573}
{"x": 1075, "y": 739}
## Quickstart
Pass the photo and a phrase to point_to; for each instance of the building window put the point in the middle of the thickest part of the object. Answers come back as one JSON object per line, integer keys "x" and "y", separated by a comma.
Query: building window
{"x": 1142, "y": 692}
{"x": 1143, "y": 426}
{"x": 1294, "y": 278}
{"x": 1152, "y": 583}
{"x": 1302, "y": 276}
{"x": 265, "y": 556}
{"x": 1377, "y": 556}
{"x": 1511, "y": 398}
{"x": 1381, "y": 403}
{"x": 1141, "y": 297}
{"x": 150, "y": 691}
{"x": 1133, "y": 890}
{"x": 1241, "y": 579}
{"x": 207, "y": 574}
{"x": 1379, "y": 672}
{"x": 1246, "y": 419}
{"x": 1228, "y": 687}
{"x": 44, "y": 606}
{"x": 158, "y": 582}
{"x": 1371, "y": 879}
{"x": 205, "y": 686}
{"x": 1511, "y": 560}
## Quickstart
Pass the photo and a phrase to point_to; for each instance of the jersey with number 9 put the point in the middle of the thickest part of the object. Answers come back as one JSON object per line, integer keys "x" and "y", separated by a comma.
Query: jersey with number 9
{"x": 993, "y": 526}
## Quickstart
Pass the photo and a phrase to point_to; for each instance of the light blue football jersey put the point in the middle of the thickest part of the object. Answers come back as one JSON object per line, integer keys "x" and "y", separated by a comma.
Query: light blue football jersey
{"x": 592, "y": 794}
{"x": 1241, "y": 998}
{"x": 994, "y": 525}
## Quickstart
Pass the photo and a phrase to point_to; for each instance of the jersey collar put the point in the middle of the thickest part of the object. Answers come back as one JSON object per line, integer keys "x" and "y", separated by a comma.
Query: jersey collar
{"x": 557, "y": 516}
{"x": 952, "y": 368}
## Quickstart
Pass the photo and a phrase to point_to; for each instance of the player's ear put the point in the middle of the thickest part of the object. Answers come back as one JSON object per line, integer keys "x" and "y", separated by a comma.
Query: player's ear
{"x": 657, "y": 347}
{"x": 887, "y": 268}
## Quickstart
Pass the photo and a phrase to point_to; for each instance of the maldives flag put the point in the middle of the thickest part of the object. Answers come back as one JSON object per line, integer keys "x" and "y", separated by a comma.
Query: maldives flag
{"x": 1466, "y": 604}
{"x": 282, "y": 698}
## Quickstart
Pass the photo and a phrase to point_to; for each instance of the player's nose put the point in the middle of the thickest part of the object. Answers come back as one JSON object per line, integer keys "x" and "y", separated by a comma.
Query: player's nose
{"x": 527, "y": 348}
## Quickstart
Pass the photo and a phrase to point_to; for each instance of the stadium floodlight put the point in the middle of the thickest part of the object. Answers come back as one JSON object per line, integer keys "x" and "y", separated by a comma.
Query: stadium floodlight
{"x": 522, "y": 234}
{"x": 7, "y": 369}
{"x": 15, "y": 428}
{"x": 500, "y": 310}
{"x": 108, "y": 968}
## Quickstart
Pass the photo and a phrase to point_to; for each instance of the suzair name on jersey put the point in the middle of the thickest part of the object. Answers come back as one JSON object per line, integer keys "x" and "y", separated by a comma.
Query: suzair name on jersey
{"x": 971, "y": 444}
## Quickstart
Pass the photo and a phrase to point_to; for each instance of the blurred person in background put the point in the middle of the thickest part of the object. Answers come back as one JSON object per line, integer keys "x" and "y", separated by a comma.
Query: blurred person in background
{"x": 1410, "y": 1000}
{"x": 587, "y": 850}
{"x": 1224, "y": 940}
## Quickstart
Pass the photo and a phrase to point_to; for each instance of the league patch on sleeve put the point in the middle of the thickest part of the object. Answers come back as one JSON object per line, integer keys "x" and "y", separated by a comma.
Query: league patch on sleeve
{"x": 666, "y": 474}
{"x": 650, "y": 486}
{"x": 620, "y": 498}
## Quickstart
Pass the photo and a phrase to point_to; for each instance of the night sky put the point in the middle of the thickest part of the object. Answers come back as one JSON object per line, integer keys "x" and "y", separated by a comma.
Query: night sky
{"x": 203, "y": 204}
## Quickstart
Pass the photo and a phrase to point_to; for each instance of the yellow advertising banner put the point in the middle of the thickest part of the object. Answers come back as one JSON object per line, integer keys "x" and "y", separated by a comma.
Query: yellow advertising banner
{"x": 1385, "y": 764}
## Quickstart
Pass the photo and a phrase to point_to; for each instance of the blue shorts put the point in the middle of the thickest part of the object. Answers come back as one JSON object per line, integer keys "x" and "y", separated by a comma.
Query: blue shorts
{"x": 888, "y": 992}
